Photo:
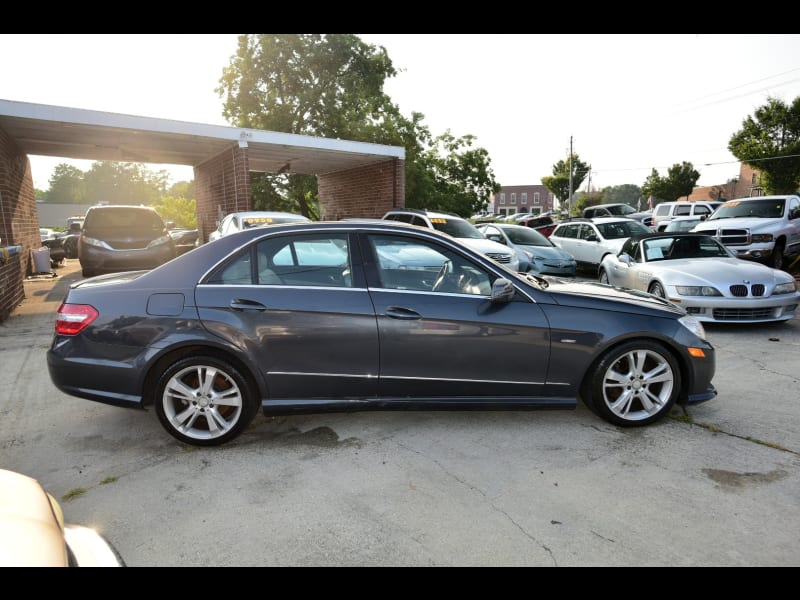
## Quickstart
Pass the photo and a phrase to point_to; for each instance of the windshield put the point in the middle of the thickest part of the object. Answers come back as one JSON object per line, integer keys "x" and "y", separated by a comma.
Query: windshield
{"x": 621, "y": 209}
{"x": 621, "y": 229}
{"x": 458, "y": 228}
{"x": 683, "y": 247}
{"x": 526, "y": 237}
{"x": 764, "y": 209}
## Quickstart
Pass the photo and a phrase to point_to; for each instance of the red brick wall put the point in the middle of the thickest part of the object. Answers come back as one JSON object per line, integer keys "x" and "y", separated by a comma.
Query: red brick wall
{"x": 221, "y": 186}
{"x": 19, "y": 222}
{"x": 363, "y": 192}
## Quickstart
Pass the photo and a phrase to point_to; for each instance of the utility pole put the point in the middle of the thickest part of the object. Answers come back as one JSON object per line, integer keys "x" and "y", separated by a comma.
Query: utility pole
{"x": 570, "y": 175}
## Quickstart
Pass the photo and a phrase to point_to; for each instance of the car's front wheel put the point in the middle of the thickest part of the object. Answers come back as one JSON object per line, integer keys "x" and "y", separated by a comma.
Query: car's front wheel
{"x": 204, "y": 401}
{"x": 603, "y": 277}
{"x": 633, "y": 384}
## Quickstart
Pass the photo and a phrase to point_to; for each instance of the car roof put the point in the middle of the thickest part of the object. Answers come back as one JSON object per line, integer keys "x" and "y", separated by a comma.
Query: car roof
{"x": 265, "y": 213}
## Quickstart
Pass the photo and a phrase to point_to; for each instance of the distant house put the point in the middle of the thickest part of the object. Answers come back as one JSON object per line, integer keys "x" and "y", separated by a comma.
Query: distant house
{"x": 533, "y": 199}
{"x": 747, "y": 184}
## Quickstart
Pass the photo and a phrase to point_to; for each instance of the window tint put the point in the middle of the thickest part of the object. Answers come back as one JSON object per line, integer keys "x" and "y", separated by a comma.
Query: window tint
{"x": 311, "y": 260}
{"x": 409, "y": 264}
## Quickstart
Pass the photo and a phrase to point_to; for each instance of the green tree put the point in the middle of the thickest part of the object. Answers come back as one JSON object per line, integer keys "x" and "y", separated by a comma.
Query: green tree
{"x": 184, "y": 189}
{"x": 771, "y": 144}
{"x": 66, "y": 185}
{"x": 331, "y": 85}
{"x": 181, "y": 211}
{"x": 680, "y": 181}
{"x": 627, "y": 193}
{"x": 559, "y": 182}
{"x": 124, "y": 183}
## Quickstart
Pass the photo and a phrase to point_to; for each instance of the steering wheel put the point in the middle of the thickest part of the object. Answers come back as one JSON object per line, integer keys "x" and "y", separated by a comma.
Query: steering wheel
{"x": 447, "y": 268}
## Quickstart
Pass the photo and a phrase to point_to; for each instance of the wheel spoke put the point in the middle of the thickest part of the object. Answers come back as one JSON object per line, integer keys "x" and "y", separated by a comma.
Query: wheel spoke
{"x": 206, "y": 375}
{"x": 185, "y": 419}
{"x": 622, "y": 405}
{"x": 180, "y": 390}
{"x": 230, "y": 397}
{"x": 650, "y": 402}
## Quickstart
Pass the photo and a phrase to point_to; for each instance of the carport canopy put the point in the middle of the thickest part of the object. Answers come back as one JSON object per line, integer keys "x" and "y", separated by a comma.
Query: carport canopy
{"x": 45, "y": 130}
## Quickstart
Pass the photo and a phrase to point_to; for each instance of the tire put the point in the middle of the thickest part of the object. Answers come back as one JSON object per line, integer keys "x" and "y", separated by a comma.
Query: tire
{"x": 71, "y": 247}
{"x": 634, "y": 384}
{"x": 204, "y": 401}
{"x": 603, "y": 276}
{"x": 776, "y": 258}
{"x": 88, "y": 273}
{"x": 657, "y": 290}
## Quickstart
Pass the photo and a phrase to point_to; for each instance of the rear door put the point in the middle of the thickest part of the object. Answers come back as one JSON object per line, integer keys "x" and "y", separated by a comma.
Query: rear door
{"x": 298, "y": 306}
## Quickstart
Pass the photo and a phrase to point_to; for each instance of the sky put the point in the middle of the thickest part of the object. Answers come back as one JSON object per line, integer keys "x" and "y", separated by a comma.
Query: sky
{"x": 625, "y": 103}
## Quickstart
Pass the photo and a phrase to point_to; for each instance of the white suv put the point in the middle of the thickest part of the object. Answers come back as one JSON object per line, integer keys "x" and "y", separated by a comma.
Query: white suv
{"x": 459, "y": 228}
{"x": 589, "y": 240}
{"x": 664, "y": 212}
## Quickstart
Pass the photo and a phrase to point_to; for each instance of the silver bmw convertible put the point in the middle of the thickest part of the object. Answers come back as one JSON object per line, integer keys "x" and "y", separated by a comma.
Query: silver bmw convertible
{"x": 697, "y": 272}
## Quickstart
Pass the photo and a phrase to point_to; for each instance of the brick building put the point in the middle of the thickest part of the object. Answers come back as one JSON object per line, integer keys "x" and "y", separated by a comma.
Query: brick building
{"x": 747, "y": 184}
{"x": 534, "y": 199}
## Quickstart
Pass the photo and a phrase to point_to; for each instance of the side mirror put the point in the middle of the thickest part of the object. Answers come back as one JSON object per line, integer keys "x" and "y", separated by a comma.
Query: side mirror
{"x": 625, "y": 258}
{"x": 502, "y": 290}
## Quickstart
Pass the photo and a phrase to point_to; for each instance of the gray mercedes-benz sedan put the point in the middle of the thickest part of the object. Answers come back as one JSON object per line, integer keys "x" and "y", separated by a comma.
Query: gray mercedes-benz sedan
{"x": 361, "y": 315}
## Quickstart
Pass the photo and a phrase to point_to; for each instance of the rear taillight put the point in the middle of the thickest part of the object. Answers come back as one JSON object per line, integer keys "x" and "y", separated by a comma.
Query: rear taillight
{"x": 71, "y": 319}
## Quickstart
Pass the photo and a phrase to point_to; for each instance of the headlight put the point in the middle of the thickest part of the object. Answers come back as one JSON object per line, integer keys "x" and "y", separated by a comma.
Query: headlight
{"x": 761, "y": 238}
{"x": 697, "y": 290}
{"x": 785, "y": 288}
{"x": 692, "y": 324}
{"x": 164, "y": 239}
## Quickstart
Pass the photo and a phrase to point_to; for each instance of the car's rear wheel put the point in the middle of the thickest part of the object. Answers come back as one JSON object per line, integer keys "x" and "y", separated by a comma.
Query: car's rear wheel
{"x": 634, "y": 384}
{"x": 204, "y": 401}
{"x": 657, "y": 290}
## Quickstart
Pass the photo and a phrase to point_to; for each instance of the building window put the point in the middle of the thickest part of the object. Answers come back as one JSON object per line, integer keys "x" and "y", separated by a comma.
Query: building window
{"x": 513, "y": 197}
{"x": 536, "y": 198}
{"x": 753, "y": 179}
{"x": 524, "y": 198}
{"x": 502, "y": 197}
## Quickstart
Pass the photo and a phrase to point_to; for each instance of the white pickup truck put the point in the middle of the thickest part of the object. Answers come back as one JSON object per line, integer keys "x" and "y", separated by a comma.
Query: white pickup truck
{"x": 762, "y": 228}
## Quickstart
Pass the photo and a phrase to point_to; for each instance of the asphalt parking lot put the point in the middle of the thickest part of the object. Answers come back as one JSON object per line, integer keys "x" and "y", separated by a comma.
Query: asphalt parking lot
{"x": 715, "y": 486}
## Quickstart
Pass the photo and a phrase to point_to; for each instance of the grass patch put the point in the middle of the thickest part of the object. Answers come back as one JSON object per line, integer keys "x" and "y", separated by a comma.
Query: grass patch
{"x": 73, "y": 493}
{"x": 684, "y": 418}
{"x": 110, "y": 479}
{"x": 768, "y": 444}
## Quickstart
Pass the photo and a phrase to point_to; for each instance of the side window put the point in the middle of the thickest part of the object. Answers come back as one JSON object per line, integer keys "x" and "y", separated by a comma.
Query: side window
{"x": 662, "y": 209}
{"x": 308, "y": 260}
{"x": 570, "y": 231}
{"x": 585, "y": 232}
{"x": 794, "y": 208}
{"x": 682, "y": 211}
{"x": 418, "y": 265}
{"x": 415, "y": 220}
{"x": 237, "y": 272}
{"x": 702, "y": 210}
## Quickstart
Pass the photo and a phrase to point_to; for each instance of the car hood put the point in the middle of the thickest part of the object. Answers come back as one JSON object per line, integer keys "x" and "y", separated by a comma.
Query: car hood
{"x": 719, "y": 271}
{"x": 483, "y": 245}
{"x": 547, "y": 252}
{"x": 751, "y": 223}
{"x": 586, "y": 294}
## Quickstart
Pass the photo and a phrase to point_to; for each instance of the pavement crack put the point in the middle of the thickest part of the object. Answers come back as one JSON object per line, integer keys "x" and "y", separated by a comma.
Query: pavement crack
{"x": 687, "y": 418}
{"x": 496, "y": 508}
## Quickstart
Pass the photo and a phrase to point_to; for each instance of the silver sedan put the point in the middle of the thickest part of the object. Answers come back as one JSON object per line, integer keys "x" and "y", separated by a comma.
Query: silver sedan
{"x": 698, "y": 273}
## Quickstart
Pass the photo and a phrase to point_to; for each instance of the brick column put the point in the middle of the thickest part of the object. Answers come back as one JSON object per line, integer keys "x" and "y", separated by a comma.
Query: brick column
{"x": 221, "y": 186}
{"x": 362, "y": 192}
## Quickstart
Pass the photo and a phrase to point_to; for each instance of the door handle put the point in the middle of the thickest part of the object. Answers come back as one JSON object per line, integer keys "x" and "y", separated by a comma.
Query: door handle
{"x": 396, "y": 312}
{"x": 242, "y": 304}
